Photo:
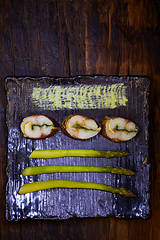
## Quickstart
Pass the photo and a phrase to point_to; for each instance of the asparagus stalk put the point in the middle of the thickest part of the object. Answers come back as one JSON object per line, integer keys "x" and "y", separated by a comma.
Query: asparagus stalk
{"x": 53, "y": 168}
{"x": 42, "y": 185}
{"x": 76, "y": 153}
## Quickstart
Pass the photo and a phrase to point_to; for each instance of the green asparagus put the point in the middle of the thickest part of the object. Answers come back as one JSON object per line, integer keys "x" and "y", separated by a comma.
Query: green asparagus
{"x": 53, "y": 168}
{"x": 42, "y": 185}
{"x": 76, "y": 153}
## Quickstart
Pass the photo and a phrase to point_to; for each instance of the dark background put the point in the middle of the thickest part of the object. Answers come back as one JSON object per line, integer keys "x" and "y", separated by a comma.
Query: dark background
{"x": 67, "y": 38}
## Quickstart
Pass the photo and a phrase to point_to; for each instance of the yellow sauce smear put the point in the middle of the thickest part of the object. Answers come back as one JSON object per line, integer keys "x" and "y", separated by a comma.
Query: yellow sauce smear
{"x": 80, "y": 97}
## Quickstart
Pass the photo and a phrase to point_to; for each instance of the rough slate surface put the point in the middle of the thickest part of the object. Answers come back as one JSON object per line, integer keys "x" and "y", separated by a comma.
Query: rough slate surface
{"x": 67, "y": 203}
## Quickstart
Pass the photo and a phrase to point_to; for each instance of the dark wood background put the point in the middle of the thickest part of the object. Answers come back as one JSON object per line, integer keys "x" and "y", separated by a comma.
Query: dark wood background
{"x": 71, "y": 37}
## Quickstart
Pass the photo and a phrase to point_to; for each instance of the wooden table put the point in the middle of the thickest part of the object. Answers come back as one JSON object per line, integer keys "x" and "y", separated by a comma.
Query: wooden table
{"x": 67, "y": 38}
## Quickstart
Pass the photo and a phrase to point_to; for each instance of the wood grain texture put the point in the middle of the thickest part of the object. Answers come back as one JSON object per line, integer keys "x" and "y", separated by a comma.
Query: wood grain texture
{"x": 64, "y": 38}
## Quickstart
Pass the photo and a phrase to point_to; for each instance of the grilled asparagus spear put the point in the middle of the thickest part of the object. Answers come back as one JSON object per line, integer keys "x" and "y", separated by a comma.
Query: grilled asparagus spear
{"x": 76, "y": 153}
{"x": 42, "y": 185}
{"x": 53, "y": 169}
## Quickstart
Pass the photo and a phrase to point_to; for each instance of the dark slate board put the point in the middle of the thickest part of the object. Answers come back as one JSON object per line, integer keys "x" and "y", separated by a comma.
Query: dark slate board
{"x": 67, "y": 203}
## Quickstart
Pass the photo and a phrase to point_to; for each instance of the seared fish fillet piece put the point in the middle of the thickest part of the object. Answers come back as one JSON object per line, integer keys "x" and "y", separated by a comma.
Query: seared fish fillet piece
{"x": 38, "y": 126}
{"x": 118, "y": 129}
{"x": 80, "y": 127}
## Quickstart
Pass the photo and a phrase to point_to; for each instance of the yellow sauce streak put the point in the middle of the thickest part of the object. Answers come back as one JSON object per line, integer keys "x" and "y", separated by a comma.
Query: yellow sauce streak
{"x": 110, "y": 129}
{"x": 80, "y": 97}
